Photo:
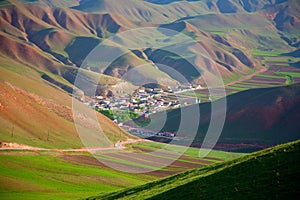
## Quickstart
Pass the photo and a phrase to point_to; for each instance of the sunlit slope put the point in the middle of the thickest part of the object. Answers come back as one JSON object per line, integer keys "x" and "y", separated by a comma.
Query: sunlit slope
{"x": 38, "y": 113}
{"x": 272, "y": 173}
{"x": 62, "y": 37}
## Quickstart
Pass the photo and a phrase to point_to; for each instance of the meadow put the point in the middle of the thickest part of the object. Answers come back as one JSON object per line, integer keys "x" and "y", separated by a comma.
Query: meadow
{"x": 71, "y": 175}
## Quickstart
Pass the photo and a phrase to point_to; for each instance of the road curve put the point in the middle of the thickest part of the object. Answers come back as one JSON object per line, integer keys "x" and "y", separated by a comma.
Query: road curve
{"x": 117, "y": 146}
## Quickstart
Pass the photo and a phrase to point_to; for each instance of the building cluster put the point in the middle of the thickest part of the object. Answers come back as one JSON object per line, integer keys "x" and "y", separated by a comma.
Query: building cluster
{"x": 141, "y": 132}
{"x": 142, "y": 101}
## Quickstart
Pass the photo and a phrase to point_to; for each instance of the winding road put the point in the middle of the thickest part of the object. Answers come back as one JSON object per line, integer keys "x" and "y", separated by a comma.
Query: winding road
{"x": 117, "y": 146}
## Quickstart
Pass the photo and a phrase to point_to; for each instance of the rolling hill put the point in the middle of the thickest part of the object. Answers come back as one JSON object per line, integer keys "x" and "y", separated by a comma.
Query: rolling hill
{"x": 59, "y": 38}
{"x": 272, "y": 173}
{"x": 44, "y": 43}
{"x": 38, "y": 113}
{"x": 61, "y": 35}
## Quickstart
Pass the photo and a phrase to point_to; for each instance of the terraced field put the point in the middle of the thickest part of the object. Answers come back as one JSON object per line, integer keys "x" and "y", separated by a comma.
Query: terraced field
{"x": 149, "y": 156}
{"x": 72, "y": 175}
{"x": 278, "y": 73}
{"x": 268, "y": 174}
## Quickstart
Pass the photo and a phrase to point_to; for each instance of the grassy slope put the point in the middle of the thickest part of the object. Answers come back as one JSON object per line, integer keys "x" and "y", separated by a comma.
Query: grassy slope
{"x": 73, "y": 29}
{"x": 190, "y": 152}
{"x": 31, "y": 107}
{"x": 28, "y": 175}
{"x": 48, "y": 175}
{"x": 272, "y": 173}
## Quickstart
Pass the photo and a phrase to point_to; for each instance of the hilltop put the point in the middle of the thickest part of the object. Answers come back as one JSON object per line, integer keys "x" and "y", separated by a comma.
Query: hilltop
{"x": 272, "y": 173}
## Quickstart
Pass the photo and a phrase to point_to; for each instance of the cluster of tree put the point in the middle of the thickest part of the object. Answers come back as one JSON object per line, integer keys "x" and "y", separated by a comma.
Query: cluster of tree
{"x": 120, "y": 115}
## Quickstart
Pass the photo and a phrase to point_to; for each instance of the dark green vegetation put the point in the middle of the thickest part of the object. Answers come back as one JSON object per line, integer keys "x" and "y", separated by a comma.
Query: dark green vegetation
{"x": 268, "y": 174}
{"x": 72, "y": 175}
{"x": 120, "y": 115}
{"x": 255, "y": 119}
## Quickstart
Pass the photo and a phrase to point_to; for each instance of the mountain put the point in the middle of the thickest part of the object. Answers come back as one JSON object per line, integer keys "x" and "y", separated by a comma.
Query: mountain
{"x": 38, "y": 113}
{"x": 233, "y": 17}
{"x": 61, "y": 35}
{"x": 51, "y": 39}
{"x": 272, "y": 173}
{"x": 61, "y": 38}
{"x": 255, "y": 119}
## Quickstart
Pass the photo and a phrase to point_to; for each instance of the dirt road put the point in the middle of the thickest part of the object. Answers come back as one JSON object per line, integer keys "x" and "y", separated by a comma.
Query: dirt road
{"x": 119, "y": 145}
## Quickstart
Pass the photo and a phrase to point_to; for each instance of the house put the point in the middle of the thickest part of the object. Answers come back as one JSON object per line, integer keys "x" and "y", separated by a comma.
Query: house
{"x": 141, "y": 91}
{"x": 186, "y": 86}
{"x": 197, "y": 87}
{"x": 99, "y": 97}
{"x": 149, "y": 90}
{"x": 166, "y": 134}
{"x": 157, "y": 91}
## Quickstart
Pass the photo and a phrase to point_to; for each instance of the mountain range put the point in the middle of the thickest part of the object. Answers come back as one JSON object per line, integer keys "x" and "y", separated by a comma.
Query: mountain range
{"x": 60, "y": 35}
{"x": 48, "y": 48}
{"x": 43, "y": 44}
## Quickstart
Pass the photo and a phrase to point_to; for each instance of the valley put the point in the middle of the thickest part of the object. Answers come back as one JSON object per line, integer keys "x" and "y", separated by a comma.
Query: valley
{"x": 149, "y": 99}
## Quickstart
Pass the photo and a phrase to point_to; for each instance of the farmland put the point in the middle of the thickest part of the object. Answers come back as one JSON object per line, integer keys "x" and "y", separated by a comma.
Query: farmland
{"x": 71, "y": 175}
{"x": 30, "y": 175}
{"x": 149, "y": 63}
{"x": 271, "y": 173}
{"x": 277, "y": 73}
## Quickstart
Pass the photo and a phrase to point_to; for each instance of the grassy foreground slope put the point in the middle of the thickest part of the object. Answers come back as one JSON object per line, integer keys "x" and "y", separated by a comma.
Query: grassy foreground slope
{"x": 42, "y": 175}
{"x": 71, "y": 175}
{"x": 269, "y": 174}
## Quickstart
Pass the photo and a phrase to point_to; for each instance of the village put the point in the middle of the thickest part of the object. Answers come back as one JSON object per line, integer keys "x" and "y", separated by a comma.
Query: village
{"x": 143, "y": 102}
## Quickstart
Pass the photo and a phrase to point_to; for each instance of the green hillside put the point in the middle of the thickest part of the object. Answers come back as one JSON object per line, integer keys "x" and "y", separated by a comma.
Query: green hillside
{"x": 269, "y": 174}
{"x": 28, "y": 175}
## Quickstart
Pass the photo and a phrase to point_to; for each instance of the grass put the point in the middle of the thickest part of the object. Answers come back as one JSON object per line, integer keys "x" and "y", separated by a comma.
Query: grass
{"x": 47, "y": 177}
{"x": 190, "y": 152}
{"x": 289, "y": 76}
{"x": 292, "y": 74}
{"x": 257, "y": 52}
{"x": 233, "y": 87}
{"x": 126, "y": 162}
{"x": 272, "y": 173}
{"x": 4, "y": 3}
{"x": 33, "y": 108}
{"x": 269, "y": 76}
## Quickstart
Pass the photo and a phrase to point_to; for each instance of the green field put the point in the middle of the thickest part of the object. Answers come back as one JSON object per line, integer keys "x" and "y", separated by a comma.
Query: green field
{"x": 53, "y": 175}
{"x": 190, "y": 152}
{"x": 27, "y": 175}
{"x": 268, "y": 174}
{"x": 266, "y": 53}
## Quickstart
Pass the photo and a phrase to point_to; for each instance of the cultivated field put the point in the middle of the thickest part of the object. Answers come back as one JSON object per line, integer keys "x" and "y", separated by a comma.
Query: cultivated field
{"x": 278, "y": 72}
{"x": 40, "y": 174}
{"x": 271, "y": 173}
